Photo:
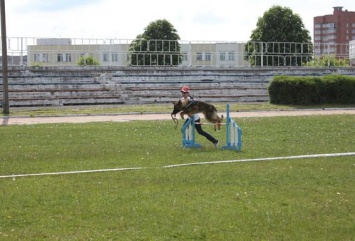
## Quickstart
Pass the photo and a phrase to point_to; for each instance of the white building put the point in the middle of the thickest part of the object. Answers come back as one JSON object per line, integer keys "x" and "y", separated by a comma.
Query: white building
{"x": 63, "y": 52}
{"x": 352, "y": 52}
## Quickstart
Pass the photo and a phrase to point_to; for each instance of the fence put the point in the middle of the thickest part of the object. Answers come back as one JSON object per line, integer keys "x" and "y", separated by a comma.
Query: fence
{"x": 24, "y": 51}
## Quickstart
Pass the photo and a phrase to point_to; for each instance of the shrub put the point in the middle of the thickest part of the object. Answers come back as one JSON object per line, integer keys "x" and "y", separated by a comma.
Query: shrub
{"x": 88, "y": 60}
{"x": 330, "y": 89}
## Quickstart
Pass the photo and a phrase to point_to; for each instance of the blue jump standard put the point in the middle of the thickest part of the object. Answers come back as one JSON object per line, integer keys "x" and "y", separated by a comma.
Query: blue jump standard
{"x": 233, "y": 134}
{"x": 188, "y": 134}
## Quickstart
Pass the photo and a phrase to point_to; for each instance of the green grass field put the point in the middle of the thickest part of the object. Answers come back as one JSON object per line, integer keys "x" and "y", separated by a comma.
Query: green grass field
{"x": 149, "y": 108}
{"x": 300, "y": 199}
{"x": 146, "y": 108}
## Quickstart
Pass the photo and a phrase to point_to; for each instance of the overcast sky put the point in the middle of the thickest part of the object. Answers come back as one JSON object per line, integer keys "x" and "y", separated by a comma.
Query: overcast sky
{"x": 204, "y": 20}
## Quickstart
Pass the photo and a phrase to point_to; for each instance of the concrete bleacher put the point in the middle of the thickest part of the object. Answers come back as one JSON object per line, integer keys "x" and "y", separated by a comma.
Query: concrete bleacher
{"x": 58, "y": 91}
{"x": 206, "y": 85}
{"x": 134, "y": 85}
{"x": 214, "y": 92}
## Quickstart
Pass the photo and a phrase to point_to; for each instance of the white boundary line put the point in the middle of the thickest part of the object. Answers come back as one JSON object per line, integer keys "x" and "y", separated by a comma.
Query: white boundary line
{"x": 264, "y": 159}
{"x": 185, "y": 164}
{"x": 71, "y": 172}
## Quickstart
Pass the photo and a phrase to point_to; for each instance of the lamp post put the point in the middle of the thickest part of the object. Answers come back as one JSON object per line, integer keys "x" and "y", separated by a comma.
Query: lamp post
{"x": 5, "y": 89}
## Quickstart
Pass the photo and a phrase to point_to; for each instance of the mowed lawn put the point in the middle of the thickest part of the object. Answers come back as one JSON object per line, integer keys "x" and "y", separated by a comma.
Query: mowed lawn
{"x": 297, "y": 199}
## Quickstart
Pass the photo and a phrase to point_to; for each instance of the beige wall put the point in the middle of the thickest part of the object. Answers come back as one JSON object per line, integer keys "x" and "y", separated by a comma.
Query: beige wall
{"x": 352, "y": 52}
{"x": 194, "y": 54}
{"x": 226, "y": 54}
{"x": 68, "y": 55}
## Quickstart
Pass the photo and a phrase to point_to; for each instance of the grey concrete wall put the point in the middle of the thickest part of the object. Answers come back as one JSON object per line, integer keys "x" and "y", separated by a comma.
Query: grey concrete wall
{"x": 53, "y": 86}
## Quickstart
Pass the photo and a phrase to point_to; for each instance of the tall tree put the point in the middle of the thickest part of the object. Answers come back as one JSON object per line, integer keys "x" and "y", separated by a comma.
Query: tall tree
{"x": 280, "y": 39}
{"x": 158, "y": 45}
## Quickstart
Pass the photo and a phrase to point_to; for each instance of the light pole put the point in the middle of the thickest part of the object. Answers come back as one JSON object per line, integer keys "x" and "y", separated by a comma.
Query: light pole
{"x": 5, "y": 87}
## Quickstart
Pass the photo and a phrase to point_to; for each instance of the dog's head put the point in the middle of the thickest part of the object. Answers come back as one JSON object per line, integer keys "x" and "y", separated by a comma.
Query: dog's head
{"x": 177, "y": 107}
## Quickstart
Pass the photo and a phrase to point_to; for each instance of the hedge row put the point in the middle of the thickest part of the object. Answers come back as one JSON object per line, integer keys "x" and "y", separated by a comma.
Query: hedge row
{"x": 329, "y": 89}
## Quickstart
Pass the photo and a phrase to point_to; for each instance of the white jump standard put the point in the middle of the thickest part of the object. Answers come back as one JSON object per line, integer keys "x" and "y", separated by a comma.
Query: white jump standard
{"x": 233, "y": 134}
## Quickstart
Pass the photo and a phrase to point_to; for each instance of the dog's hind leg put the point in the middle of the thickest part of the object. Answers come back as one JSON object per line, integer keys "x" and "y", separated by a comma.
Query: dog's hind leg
{"x": 217, "y": 121}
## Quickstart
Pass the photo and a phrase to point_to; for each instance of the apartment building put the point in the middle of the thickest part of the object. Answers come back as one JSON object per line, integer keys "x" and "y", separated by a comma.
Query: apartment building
{"x": 333, "y": 32}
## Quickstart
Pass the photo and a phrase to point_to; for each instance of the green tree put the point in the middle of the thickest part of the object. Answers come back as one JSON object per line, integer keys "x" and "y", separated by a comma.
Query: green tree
{"x": 280, "y": 39}
{"x": 87, "y": 60}
{"x": 158, "y": 45}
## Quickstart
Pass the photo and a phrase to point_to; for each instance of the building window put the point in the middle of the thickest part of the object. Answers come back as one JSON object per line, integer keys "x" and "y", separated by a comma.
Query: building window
{"x": 36, "y": 57}
{"x": 59, "y": 57}
{"x": 114, "y": 57}
{"x": 329, "y": 25}
{"x": 208, "y": 56}
{"x": 67, "y": 58}
{"x": 184, "y": 56}
{"x": 199, "y": 57}
{"x": 222, "y": 56}
{"x": 329, "y": 31}
{"x": 231, "y": 56}
{"x": 105, "y": 57}
{"x": 44, "y": 57}
{"x": 63, "y": 57}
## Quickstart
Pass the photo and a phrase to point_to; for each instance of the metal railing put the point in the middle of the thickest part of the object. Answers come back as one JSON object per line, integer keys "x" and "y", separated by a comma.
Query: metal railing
{"x": 25, "y": 51}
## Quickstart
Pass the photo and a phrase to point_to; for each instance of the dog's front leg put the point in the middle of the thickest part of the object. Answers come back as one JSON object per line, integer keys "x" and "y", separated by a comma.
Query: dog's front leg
{"x": 182, "y": 115}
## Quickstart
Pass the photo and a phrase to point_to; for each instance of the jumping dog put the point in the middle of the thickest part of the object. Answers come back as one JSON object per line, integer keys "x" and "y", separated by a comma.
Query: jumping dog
{"x": 191, "y": 107}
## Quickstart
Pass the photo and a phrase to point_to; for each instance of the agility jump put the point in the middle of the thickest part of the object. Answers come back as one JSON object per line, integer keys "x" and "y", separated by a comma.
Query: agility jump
{"x": 233, "y": 134}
